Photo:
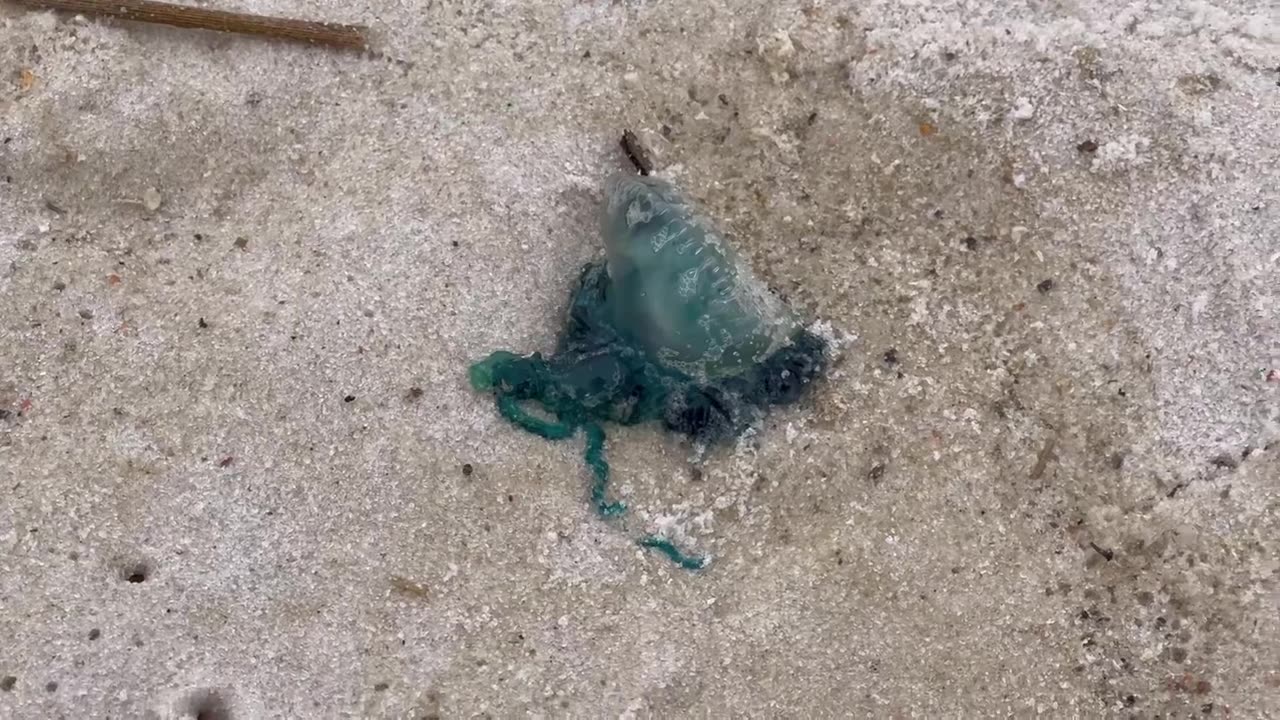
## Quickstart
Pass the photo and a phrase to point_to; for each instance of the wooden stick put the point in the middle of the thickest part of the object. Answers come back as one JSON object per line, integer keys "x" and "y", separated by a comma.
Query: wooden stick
{"x": 148, "y": 11}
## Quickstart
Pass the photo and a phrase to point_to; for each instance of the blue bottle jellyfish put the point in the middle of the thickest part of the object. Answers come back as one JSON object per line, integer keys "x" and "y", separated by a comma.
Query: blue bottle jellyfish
{"x": 672, "y": 327}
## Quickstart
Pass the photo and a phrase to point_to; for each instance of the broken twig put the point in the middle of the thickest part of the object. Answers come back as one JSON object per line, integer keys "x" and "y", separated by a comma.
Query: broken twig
{"x": 1104, "y": 552}
{"x": 147, "y": 11}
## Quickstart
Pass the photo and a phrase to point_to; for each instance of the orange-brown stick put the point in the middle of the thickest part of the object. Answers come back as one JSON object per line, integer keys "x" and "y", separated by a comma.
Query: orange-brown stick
{"x": 345, "y": 36}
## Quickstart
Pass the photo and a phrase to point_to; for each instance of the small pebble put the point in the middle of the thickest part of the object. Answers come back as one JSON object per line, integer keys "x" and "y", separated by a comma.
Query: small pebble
{"x": 1022, "y": 110}
{"x": 151, "y": 199}
{"x": 1045, "y": 285}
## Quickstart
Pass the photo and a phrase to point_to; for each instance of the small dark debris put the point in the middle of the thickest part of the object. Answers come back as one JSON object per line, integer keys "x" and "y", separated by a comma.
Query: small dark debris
{"x": 7, "y": 682}
{"x": 349, "y": 398}
{"x": 949, "y": 56}
{"x": 1206, "y": 708}
{"x": 415, "y": 393}
{"x": 94, "y": 634}
{"x": 1044, "y": 286}
{"x": 813, "y": 118}
{"x": 511, "y": 498}
{"x": 1224, "y": 461}
{"x": 226, "y": 461}
{"x": 51, "y": 686}
{"x": 454, "y": 243}
{"x": 1117, "y": 461}
{"x": 203, "y": 324}
{"x": 54, "y": 207}
{"x": 467, "y": 469}
{"x": 1175, "y": 490}
{"x": 1088, "y": 146}
{"x": 1130, "y": 700}
{"x": 4, "y": 414}
{"x": 1104, "y": 552}
{"x": 1047, "y": 453}
{"x": 695, "y": 474}
{"x": 380, "y": 687}
{"x": 876, "y": 472}
{"x": 86, "y": 314}
{"x": 198, "y": 237}
{"x": 637, "y": 153}
{"x": 970, "y": 243}
{"x": 242, "y": 243}
{"x": 59, "y": 285}
{"x": 136, "y": 572}
{"x": 891, "y": 356}
{"x": 586, "y": 55}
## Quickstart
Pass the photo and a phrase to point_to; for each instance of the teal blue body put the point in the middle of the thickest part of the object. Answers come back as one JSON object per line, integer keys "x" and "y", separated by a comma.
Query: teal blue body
{"x": 679, "y": 291}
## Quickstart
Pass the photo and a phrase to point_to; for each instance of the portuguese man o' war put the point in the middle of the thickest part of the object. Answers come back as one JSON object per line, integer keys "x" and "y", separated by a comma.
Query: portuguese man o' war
{"x": 673, "y": 327}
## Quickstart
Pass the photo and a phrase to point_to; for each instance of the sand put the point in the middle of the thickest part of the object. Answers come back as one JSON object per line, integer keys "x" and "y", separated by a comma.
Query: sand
{"x": 240, "y": 283}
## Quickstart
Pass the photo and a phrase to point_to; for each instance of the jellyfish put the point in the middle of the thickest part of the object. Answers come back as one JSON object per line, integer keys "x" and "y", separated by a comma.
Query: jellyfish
{"x": 671, "y": 327}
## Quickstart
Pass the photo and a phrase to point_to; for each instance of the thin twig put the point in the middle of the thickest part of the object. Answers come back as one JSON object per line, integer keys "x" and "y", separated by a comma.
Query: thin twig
{"x": 147, "y": 11}
{"x": 1104, "y": 552}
